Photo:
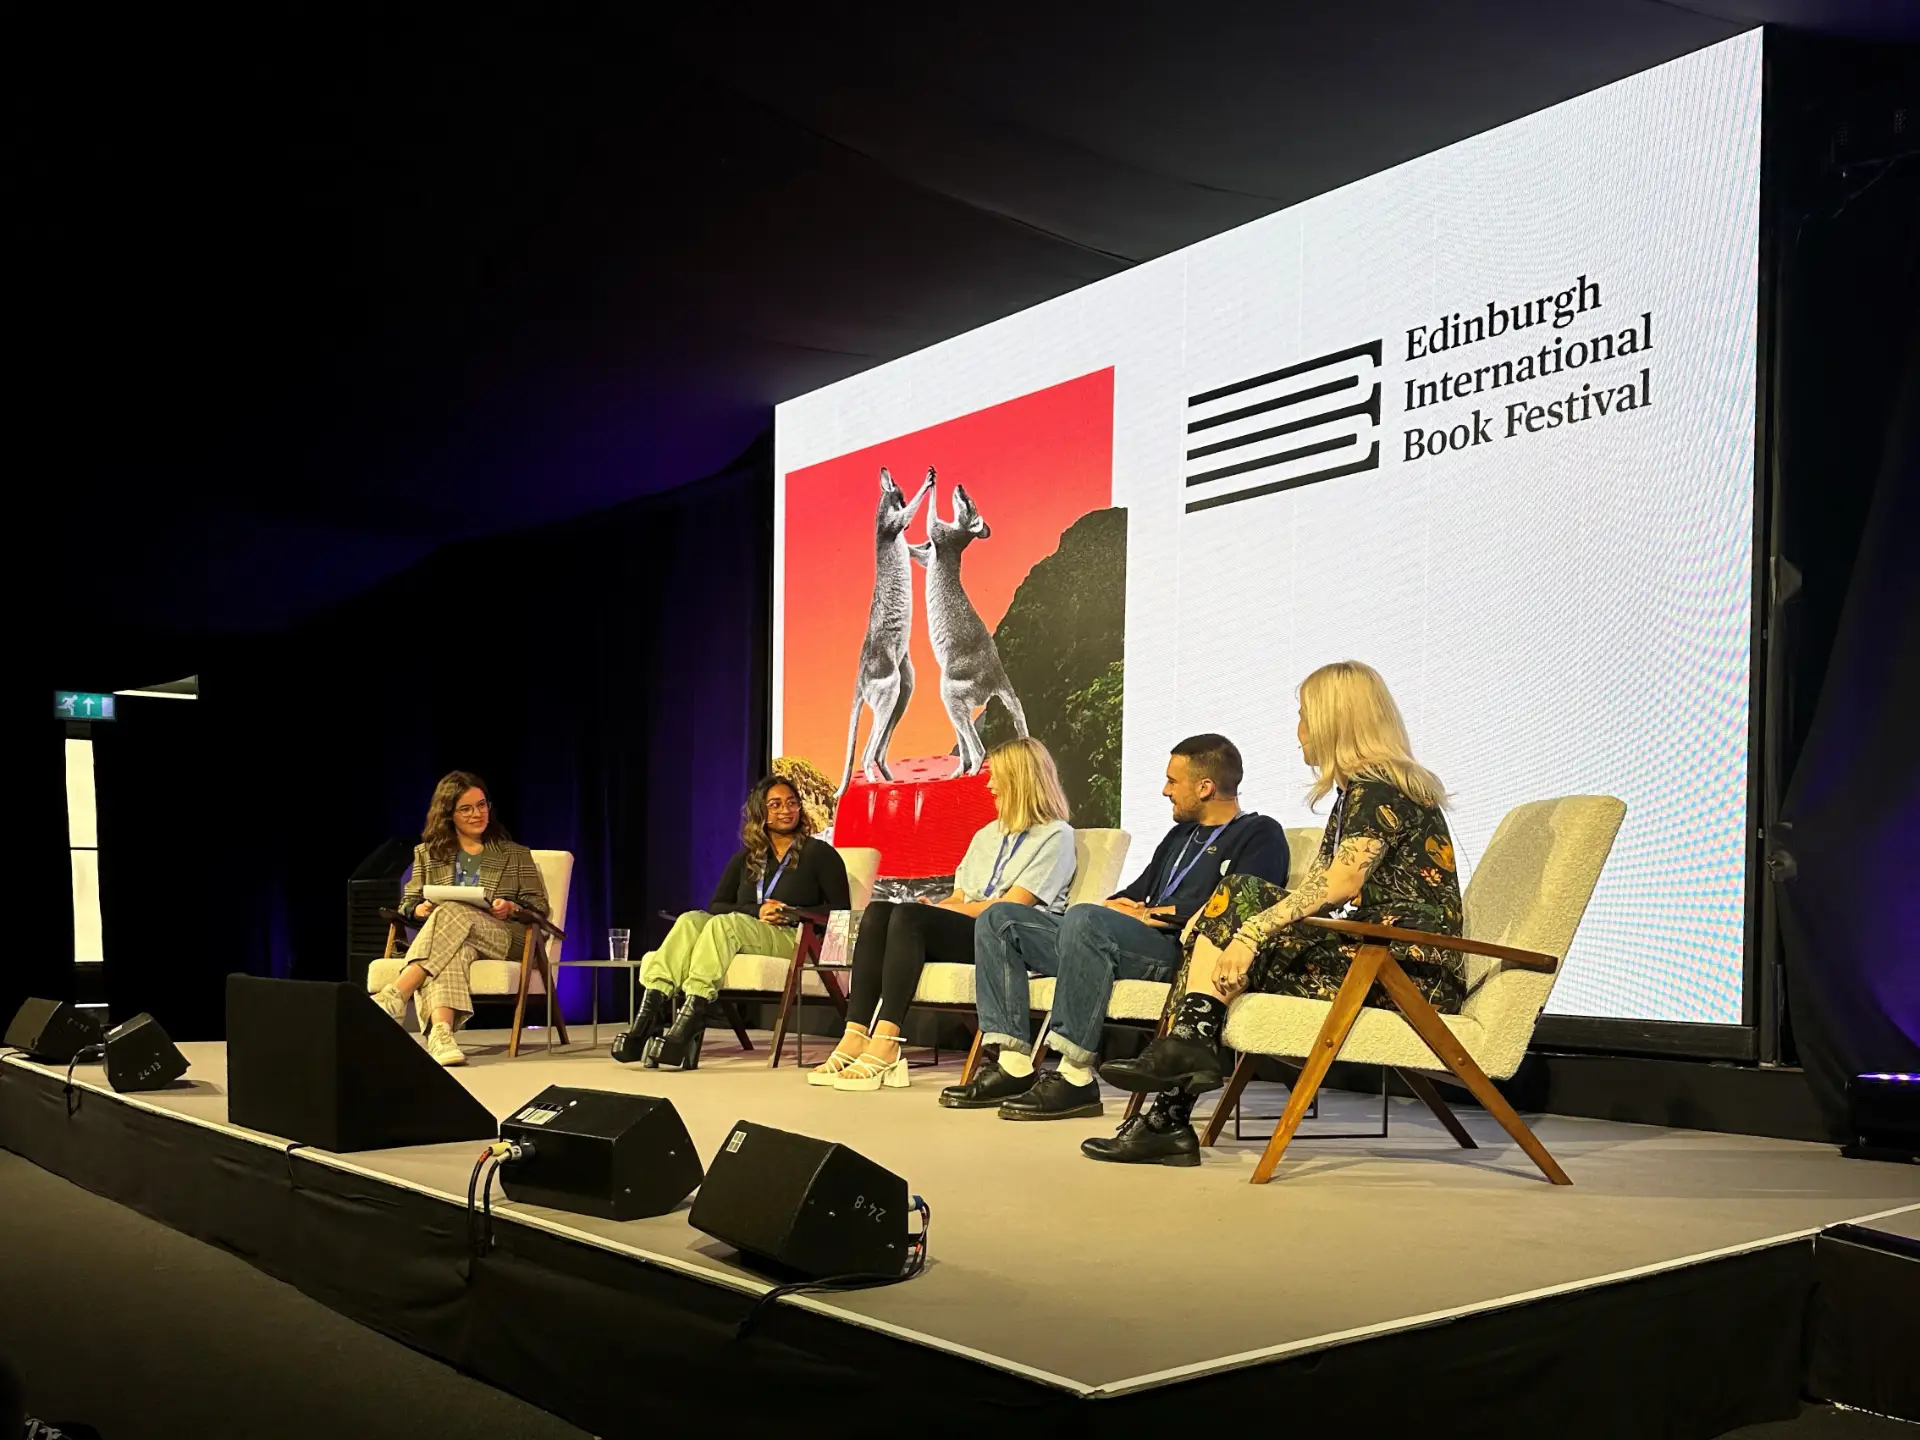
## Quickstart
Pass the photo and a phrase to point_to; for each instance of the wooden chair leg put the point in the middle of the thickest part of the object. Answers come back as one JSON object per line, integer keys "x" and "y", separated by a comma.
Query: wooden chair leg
{"x": 1443, "y": 1042}
{"x": 555, "y": 1017}
{"x": 973, "y": 1060}
{"x": 731, "y": 1010}
{"x": 1229, "y": 1097}
{"x": 787, "y": 996}
{"x": 1333, "y": 1034}
{"x": 1442, "y": 1111}
{"x": 520, "y": 1005}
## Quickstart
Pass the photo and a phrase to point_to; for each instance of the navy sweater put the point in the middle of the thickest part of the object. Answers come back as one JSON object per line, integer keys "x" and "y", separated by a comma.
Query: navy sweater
{"x": 1250, "y": 845}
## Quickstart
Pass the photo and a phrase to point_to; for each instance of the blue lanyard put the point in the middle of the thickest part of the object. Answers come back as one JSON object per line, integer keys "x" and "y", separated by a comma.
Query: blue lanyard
{"x": 1001, "y": 858}
{"x": 768, "y": 881}
{"x": 1180, "y": 871}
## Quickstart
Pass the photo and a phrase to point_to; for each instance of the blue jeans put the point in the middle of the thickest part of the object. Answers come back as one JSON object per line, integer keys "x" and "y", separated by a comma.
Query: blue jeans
{"x": 1088, "y": 948}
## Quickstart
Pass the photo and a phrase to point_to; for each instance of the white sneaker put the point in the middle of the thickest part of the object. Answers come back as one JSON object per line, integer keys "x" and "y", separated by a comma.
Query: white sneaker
{"x": 393, "y": 1002}
{"x": 872, "y": 1073}
{"x": 443, "y": 1047}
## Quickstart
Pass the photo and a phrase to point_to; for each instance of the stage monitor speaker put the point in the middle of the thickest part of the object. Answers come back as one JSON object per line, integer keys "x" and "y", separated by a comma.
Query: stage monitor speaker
{"x": 140, "y": 1056}
{"x": 600, "y": 1152}
{"x": 52, "y": 1031}
{"x": 318, "y": 1062}
{"x": 809, "y": 1207}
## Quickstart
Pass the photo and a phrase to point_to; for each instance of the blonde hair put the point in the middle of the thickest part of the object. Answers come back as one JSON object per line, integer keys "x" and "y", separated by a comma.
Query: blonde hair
{"x": 1030, "y": 791}
{"x": 1356, "y": 731}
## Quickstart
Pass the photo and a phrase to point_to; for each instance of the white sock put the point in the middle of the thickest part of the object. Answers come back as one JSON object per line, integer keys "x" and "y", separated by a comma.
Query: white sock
{"x": 1075, "y": 1074}
{"x": 1014, "y": 1063}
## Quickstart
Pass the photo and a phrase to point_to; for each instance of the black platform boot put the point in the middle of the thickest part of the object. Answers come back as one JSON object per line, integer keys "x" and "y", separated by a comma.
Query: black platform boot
{"x": 656, "y": 1006}
{"x": 679, "y": 1048}
{"x": 1163, "y": 1135}
{"x": 1186, "y": 1058}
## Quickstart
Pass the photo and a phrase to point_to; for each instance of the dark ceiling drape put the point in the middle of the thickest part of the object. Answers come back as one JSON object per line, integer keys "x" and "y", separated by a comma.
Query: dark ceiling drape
{"x": 607, "y": 676}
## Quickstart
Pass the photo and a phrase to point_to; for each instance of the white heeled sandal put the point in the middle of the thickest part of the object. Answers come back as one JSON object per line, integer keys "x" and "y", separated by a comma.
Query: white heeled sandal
{"x": 835, "y": 1064}
{"x": 871, "y": 1073}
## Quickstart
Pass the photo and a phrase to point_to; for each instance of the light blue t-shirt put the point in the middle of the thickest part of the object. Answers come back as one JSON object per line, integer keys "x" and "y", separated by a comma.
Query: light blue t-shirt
{"x": 1040, "y": 860}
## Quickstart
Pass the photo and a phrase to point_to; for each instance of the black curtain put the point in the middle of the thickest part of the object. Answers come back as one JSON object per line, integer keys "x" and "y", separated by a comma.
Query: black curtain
{"x": 1848, "y": 509}
{"x": 607, "y": 676}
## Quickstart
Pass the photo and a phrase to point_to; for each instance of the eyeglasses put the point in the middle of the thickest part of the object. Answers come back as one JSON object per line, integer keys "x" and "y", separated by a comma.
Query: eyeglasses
{"x": 467, "y": 812}
{"x": 783, "y": 804}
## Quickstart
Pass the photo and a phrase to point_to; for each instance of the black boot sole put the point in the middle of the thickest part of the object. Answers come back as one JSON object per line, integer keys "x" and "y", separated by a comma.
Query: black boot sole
{"x": 956, "y": 1104}
{"x": 1181, "y": 1159}
{"x": 1091, "y": 1110}
{"x": 1193, "y": 1082}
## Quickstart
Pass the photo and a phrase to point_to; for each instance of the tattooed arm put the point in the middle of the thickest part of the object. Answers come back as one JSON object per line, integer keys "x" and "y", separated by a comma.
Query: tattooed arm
{"x": 1324, "y": 887}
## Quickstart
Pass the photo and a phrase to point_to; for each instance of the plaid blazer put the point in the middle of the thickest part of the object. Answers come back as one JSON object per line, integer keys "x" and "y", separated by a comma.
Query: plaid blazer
{"x": 507, "y": 872}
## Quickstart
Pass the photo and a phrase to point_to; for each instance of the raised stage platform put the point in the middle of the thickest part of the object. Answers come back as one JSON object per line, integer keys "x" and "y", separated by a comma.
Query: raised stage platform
{"x": 1375, "y": 1282}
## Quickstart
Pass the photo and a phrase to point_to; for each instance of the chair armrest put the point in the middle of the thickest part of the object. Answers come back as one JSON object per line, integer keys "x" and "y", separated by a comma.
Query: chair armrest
{"x": 1527, "y": 959}
{"x": 810, "y": 917}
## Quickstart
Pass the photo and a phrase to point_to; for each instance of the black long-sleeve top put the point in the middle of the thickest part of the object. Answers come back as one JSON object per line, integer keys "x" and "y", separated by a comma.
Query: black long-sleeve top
{"x": 1250, "y": 845}
{"x": 815, "y": 878}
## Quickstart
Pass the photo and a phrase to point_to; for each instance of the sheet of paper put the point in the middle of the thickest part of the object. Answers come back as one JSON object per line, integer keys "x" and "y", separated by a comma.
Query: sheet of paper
{"x": 456, "y": 895}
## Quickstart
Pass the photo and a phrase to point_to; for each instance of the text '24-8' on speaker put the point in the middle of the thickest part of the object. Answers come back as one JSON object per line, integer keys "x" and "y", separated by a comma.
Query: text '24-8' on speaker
{"x": 809, "y": 1207}
{"x": 141, "y": 1056}
{"x": 320, "y": 1063}
{"x": 599, "y": 1152}
{"x": 51, "y": 1031}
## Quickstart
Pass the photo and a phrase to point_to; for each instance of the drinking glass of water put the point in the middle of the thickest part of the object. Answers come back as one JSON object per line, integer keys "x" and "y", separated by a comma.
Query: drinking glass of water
{"x": 617, "y": 941}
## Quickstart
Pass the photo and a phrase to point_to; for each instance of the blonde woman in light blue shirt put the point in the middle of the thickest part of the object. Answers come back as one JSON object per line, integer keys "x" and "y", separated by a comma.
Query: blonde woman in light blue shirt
{"x": 1024, "y": 857}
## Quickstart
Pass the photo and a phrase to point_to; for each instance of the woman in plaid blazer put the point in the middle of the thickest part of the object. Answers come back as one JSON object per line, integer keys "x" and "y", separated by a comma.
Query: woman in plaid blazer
{"x": 462, "y": 844}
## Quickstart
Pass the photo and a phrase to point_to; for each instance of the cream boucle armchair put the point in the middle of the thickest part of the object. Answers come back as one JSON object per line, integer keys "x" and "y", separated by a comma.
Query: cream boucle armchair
{"x": 1522, "y": 907}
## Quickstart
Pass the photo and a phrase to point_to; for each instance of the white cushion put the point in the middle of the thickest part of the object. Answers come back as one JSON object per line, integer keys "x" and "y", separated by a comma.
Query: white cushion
{"x": 863, "y": 867}
{"x": 944, "y": 984}
{"x": 1303, "y": 848}
{"x": 1129, "y": 1000}
{"x": 767, "y": 974}
{"x": 1098, "y": 856}
{"x": 1288, "y": 1025}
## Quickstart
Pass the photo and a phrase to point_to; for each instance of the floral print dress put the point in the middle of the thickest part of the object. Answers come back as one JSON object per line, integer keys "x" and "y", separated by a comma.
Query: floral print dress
{"x": 1412, "y": 885}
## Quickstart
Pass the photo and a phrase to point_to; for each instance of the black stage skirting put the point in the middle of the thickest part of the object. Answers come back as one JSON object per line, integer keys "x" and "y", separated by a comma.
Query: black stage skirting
{"x": 620, "y": 1347}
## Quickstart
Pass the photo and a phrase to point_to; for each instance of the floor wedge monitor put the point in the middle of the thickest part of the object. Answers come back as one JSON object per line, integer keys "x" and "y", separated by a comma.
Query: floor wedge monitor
{"x": 51, "y": 1031}
{"x": 808, "y": 1207}
{"x": 599, "y": 1152}
{"x": 141, "y": 1056}
{"x": 318, "y": 1062}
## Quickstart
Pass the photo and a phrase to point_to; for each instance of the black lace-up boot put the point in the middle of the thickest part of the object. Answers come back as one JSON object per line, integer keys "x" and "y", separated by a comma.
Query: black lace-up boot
{"x": 1186, "y": 1058}
{"x": 1162, "y": 1135}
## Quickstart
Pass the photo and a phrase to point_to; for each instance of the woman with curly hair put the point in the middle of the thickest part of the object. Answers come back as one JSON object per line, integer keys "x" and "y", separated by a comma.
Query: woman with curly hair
{"x": 1386, "y": 851}
{"x": 463, "y": 843}
{"x": 816, "y": 790}
{"x": 780, "y": 869}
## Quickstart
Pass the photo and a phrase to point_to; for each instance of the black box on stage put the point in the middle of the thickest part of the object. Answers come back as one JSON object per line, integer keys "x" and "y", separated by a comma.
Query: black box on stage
{"x": 1883, "y": 1112}
{"x": 141, "y": 1056}
{"x": 600, "y": 1152}
{"x": 320, "y": 1063}
{"x": 52, "y": 1031}
{"x": 811, "y": 1207}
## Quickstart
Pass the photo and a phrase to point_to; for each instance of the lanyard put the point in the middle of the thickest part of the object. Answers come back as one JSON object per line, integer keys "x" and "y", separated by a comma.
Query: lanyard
{"x": 1001, "y": 858}
{"x": 768, "y": 881}
{"x": 1180, "y": 871}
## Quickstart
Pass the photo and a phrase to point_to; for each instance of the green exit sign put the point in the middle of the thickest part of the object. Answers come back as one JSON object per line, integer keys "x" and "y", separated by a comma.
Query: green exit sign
{"x": 82, "y": 705}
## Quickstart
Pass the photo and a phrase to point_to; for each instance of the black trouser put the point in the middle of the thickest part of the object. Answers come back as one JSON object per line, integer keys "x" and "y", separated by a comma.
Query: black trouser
{"x": 896, "y": 940}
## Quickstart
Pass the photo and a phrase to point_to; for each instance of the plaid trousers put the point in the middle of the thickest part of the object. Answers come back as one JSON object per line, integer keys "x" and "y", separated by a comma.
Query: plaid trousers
{"x": 453, "y": 937}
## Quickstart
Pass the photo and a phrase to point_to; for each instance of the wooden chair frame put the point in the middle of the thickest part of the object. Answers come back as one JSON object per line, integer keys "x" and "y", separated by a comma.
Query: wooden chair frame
{"x": 1374, "y": 963}
{"x": 531, "y": 955}
{"x": 806, "y": 955}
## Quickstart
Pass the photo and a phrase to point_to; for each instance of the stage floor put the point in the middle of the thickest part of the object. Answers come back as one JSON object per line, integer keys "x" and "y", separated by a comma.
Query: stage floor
{"x": 1103, "y": 1280}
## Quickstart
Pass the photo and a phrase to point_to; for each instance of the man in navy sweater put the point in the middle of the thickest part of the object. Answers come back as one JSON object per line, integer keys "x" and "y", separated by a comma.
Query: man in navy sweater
{"x": 1134, "y": 935}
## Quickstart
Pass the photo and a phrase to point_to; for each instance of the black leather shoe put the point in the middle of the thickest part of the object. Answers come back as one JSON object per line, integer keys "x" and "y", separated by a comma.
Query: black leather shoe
{"x": 1170, "y": 1063}
{"x": 1140, "y": 1143}
{"x": 679, "y": 1047}
{"x": 655, "y": 1007}
{"x": 1054, "y": 1098}
{"x": 987, "y": 1089}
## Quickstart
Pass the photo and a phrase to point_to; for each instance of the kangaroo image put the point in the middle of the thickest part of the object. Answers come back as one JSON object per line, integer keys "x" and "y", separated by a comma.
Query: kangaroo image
{"x": 885, "y": 682}
{"x": 970, "y": 670}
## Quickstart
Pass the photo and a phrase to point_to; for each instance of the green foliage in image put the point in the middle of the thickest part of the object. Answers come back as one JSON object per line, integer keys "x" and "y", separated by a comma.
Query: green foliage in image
{"x": 1063, "y": 642}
